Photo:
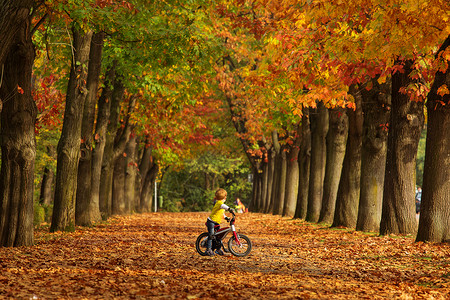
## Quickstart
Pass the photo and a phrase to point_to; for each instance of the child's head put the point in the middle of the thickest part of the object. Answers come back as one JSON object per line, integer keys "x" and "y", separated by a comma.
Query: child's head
{"x": 221, "y": 194}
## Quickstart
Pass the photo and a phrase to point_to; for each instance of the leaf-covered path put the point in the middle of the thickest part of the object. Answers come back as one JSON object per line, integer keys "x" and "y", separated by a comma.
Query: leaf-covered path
{"x": 153, "y": 256}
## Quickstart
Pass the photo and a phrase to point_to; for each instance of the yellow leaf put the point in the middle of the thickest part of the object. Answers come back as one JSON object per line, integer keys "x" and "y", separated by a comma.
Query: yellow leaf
{"x": 382, "y": 79}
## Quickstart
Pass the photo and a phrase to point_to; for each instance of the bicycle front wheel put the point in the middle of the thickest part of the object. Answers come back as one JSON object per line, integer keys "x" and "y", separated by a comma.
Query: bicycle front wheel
{"x": 242, "y": 248}
{"x": 201, "y": 243}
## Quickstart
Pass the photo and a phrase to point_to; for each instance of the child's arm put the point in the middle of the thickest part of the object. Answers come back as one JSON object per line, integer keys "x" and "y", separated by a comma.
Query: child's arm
{"x": 224, "y": 206}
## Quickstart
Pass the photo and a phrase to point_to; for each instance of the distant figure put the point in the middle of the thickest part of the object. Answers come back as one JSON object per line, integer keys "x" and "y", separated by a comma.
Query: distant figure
{"x": 240, "y": 207}
{"x": 418, "y": 199}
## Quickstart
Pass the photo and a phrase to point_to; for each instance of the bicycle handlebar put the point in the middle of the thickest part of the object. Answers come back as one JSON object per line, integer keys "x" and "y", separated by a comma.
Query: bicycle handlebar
{"x": 233, "y": 219}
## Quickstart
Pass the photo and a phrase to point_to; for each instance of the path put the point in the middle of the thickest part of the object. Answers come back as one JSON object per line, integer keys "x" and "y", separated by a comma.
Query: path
{"x": 153, "y": 256}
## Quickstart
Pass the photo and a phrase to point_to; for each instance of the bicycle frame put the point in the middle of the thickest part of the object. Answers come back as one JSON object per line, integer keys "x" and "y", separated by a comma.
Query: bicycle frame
{"x": 221, "y": 233}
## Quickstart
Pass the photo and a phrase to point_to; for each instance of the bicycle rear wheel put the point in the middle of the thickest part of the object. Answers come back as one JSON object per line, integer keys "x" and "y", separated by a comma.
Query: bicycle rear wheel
{"x": 201, "y": 243}
{"x": 240, "y": 250}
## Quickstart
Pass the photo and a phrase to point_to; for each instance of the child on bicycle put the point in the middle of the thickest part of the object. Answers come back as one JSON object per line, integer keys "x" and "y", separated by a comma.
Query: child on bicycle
{"x": 216, "y": 217}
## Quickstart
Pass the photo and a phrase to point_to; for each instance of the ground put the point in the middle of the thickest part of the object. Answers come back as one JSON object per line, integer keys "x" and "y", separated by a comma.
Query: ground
{"x": 153, "y": 256}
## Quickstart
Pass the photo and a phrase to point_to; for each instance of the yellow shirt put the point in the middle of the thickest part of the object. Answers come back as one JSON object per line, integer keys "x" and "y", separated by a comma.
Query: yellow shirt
{"x": 218, "y": 211}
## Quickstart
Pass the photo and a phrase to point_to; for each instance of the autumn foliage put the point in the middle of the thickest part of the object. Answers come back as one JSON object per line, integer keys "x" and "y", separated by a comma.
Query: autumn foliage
{"x": 153, "y": 255}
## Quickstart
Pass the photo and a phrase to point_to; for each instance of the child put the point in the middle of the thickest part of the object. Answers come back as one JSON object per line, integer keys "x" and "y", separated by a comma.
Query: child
{"x": 216, "y": 217}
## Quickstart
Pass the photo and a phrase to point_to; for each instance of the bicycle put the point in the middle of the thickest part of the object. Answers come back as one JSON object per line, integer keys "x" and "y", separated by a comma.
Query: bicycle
{"x": 239, "y": 244}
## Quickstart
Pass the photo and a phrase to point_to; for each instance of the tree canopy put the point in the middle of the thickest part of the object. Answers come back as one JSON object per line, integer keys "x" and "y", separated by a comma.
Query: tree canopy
{"x": 219, "y": 88}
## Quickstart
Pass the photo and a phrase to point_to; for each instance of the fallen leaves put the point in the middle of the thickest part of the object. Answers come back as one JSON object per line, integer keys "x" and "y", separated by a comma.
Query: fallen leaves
{"x": 153, "y": 256}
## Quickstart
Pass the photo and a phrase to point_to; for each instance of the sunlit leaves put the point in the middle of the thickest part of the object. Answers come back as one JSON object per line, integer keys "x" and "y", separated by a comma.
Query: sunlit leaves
{"x": 350, "y": 42}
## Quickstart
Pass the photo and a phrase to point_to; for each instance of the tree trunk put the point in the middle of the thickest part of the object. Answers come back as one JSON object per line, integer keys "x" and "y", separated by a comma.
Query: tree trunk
{"x": 46, "y": 192}
{"x": 146, "y": 193}
{"x": 144, "y": 166}
{"x": 434, "y": 224}
{"x": 256, "y": 195}
{"x": 118, "y": 205}
{"x": 319, "y": 129}
{"x": 277, "y": 174}
{"x": 106, "y": 176}
{"x": 275, "y": 183}
{"x": 138, "y": 179}
{"x": 18, "y": 143}
{"x": 346, "y": 211}
{"x": 87, "y": 212}
{"x": 405, "y": 126}
{"x": 376, "y": 105}
{"x": 336, "y": 142}
{"x": 265, "y": 182}
{"x": 292, "y": 178}
{"x": 270, "y": 180}
{"x": 304, "y": 160}
{"x": 100, "y": 136}
{"x": 252, "y": 200}
{"x": 282, "y": 179}
{"x": 68, "y": 150}
{"x": 130, "y": 175}
{"x": 13, "y": 14}
{"x": 120, "y": 144}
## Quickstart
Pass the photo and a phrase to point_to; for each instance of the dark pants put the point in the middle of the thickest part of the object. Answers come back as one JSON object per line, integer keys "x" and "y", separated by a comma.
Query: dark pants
{"x": 210, "y": 225}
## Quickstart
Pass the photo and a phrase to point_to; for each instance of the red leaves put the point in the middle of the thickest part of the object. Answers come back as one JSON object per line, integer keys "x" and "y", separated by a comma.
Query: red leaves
{"x": 19, "y": 89}
{"x": 385, "y": 127}
{"x": 50, "y": 103}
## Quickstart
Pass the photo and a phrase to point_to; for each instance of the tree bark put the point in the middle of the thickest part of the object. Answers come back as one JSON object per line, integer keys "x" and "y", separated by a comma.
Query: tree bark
{"x": 434, "y": 224}
{"x": 87, "y": 212}
{"x": 108, "y": 161}
{"x": 68, "y": 149}
{"x": 147, "y": 191}
{"x": 13, "y": 14}
{"x": 257, "y": 189}
{"x": 275, "y": 183}
{"x": 304, "y": 167}
{"x": 46, "y": 192}
{"x": 18, "y": 143}
{"x": 275, "y": 209}
{"x": 130, "y": 175}
{"x": 376, "y": 105}
{"x": 270, "y": 180}
{"x": 265, "y": 185}
{"x": 335, "y": 148}
{"x": 292, "y": 178}
{"x": 144, "y": 166}
{"x": 119, "y": 206}
{"x": 116, "y": 151}
{"x": 405, "y": 126}
{"x": 346, "y": 211}
{"x": 282, "y": 179}
{"x": 100, "y": 136}
{"x": 138, "y": 179}
{"x": 319, "y": 128}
